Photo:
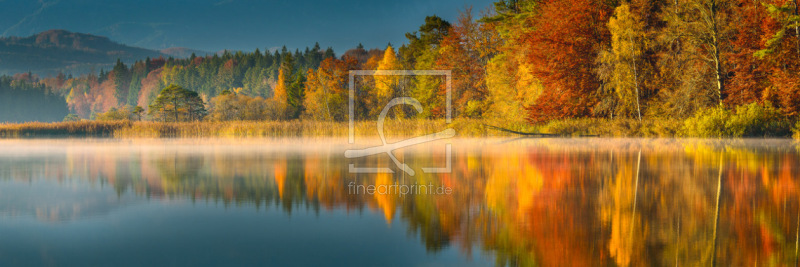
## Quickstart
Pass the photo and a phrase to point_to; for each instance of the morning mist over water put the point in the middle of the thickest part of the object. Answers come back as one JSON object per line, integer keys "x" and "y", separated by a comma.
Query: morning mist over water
{"x": 510, "y": 200}
{"x": 412, "y": 133}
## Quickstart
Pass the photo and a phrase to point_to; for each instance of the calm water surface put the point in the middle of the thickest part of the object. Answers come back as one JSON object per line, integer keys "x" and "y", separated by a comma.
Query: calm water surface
{"x": 578, "y": 202}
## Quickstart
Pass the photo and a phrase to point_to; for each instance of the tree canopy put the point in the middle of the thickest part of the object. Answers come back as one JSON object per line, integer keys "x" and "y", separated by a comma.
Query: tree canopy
{"x": 175, "y": 104}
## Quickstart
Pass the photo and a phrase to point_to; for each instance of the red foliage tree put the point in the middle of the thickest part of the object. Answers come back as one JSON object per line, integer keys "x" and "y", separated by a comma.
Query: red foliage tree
{"x": 749, "y": 73}
{"x": 567, "y": 37}
{"x": 465, "y": 51}
{"x": 783, "y": 46}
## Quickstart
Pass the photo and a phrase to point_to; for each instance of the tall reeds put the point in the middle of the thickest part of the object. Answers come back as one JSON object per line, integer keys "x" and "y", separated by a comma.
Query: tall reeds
{"x": 269, "y": 129}
{"x": 62, "y": 129}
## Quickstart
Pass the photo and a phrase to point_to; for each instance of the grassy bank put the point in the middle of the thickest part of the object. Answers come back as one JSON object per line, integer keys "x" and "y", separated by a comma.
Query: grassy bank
{"x": 697, "y": 127}
{"x": 128, "y": 129}
{"x": 712, "y": 126}
{"x": 614, "y": 128}
{"x": 295, "y": 129}
{"x": 751, "y": 120}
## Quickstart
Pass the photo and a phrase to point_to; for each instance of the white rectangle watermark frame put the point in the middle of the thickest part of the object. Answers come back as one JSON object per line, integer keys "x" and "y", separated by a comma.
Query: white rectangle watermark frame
{"x": 387, "y": 147}
{"x": 353, "y": 73}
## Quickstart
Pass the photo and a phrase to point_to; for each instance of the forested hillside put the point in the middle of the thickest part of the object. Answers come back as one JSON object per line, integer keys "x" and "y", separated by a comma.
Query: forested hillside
{"x": 58, "y": 51}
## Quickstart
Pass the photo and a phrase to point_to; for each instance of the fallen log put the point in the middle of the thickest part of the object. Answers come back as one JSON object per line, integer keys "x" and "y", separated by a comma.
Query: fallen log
{"x": 534, "y": 134}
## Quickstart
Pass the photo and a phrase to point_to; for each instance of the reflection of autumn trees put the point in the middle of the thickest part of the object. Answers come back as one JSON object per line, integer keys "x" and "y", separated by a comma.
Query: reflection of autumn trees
{"x": 532, "y": 202}
{"x": 545, "y": 207}
{"x": 764, "y": 206}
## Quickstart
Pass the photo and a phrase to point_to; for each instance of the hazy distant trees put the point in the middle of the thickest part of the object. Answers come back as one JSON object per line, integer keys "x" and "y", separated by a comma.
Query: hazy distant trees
{"x": 139, "y": 83}
{"x": 122, "y": 81}
{"x": 25, "y": 99}
{"x": 71, "y": 118}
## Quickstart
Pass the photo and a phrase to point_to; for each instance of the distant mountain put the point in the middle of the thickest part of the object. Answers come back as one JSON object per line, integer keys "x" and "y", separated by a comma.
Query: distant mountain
{"x": 50, "y": 52}
{"x": 183, "y": 52}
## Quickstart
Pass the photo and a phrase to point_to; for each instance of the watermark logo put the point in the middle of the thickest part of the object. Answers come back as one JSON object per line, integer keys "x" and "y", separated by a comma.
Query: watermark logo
{"x": 398, "y": 189}
{"x": 389, "y": 148}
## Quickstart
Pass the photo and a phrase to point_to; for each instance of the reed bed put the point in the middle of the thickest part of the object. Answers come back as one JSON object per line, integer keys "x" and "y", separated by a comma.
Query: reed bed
{"x": 62, "y": 129}
{"x": 310, "y": 128}
{"x": 243, "y": 129}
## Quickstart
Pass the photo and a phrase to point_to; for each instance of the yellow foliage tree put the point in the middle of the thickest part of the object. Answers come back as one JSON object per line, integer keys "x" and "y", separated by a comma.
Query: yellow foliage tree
{"x": 627, "y": 45}
{"x": 326, "y": 90}
{"x": 424, "y": 87}
{"x": 280, "y": 97}
{"x": 387, "y": 86}
{"x": 510, "y": 87}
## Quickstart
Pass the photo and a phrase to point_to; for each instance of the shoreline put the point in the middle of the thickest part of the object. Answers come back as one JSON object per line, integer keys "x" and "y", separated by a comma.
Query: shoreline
{"x": 465, "y": 128}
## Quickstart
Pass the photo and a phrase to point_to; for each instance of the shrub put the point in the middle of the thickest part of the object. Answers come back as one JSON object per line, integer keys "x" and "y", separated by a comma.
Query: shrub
{"x": 796, "y": 130}
{"x": 114, "y": 114}
{"x": 758, "y": 120}
{"x": 620, "y": 127}
{"x": 72, "y": 117}
{"x": 666, "y": 127}
{"x": 751, "y": 120}
{"x": 582, "y": 126}
{"x": 237, "y": 107}
{"x": 708, "y": 123}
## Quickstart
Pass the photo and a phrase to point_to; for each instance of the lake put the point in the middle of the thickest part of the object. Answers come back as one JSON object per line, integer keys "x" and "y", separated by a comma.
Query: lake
{"x": 287, "y": 202}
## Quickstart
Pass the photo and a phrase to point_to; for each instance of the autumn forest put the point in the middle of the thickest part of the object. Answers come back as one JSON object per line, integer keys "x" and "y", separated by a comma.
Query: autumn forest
{"x": 561, "y": 132}
{"x": 693, "y": 67}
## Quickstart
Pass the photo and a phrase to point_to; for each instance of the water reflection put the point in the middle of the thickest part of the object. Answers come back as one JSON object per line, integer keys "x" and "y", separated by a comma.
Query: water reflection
{"x": 580, "y": 202}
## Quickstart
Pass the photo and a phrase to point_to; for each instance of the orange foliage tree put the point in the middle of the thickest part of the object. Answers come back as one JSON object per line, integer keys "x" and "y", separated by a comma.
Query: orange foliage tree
{"x": 466, "y": 50}
{"x": 566, "y": 38}
{"x": 326, "y": 89}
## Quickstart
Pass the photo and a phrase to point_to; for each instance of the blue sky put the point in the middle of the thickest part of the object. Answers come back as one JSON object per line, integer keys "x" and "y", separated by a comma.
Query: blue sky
{"x": 231, "y": 24}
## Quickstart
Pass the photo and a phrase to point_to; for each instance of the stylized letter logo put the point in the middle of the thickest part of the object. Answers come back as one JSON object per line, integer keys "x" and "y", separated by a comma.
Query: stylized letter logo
{"x": 389, "y": 148}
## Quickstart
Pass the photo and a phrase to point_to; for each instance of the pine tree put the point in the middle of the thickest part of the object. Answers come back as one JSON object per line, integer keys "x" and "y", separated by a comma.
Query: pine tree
{"x": 280, "y": 98}
{"x": 329, "y": 53}
{"x": 296, "y": 96}
{"x": 122, "y": 80}
{"x": 174, "y": 103}
{"x": 429, "y": 35}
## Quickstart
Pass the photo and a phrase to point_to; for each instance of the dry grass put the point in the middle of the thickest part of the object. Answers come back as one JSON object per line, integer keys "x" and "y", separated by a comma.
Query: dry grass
{"x": 297, "y": 128}
{"x": 655, "y": 127}
{"x": 308, "y": 128}
{"x": 62, "y": 129}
